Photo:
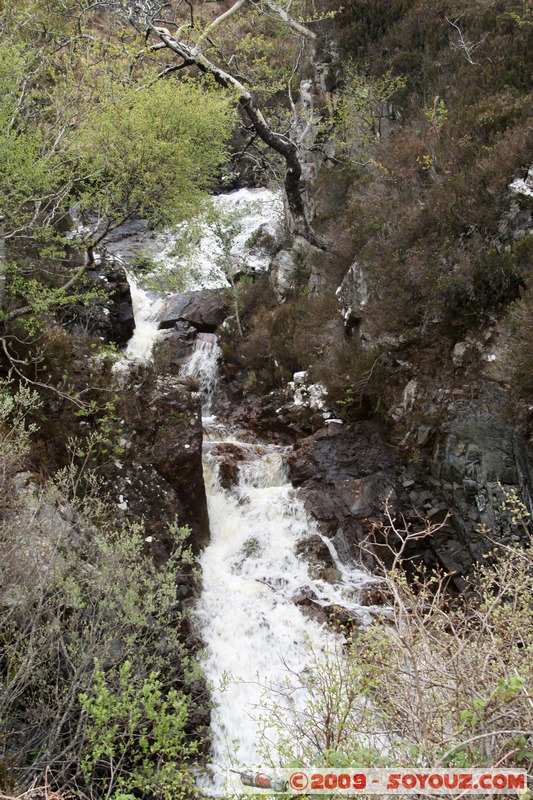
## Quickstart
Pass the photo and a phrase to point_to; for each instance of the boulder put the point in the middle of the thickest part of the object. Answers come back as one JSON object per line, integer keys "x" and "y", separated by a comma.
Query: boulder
{"x": 347, "y": 474}
{"x": 229, "y": 456}
{"x": 204, "y": 310}
{"x": 317, "y": 554}
{"x": 352, "y": 298}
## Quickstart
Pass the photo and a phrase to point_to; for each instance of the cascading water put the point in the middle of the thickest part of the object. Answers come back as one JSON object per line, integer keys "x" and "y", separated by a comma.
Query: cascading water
{"x": 203, "y": 365}
{"x": 146, "y": 308}
{"x": 256, "y": 638}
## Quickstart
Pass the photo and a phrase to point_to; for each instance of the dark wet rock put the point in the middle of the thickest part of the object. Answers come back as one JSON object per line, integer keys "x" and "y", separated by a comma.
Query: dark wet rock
{"x": 229, "y": 456}
{"x": 129, "y": 241}
{"x": 140, "y": 492}
{"x": 110, "y": 316}
{"x": 160, "y": 476}
{"x": 308, "y": 604}
{"x": 337, "y": 453}
{"x": 174, "y": 447}
{"x": 315, "y": 551}
{"x": 346, "y": 474}
{"x": 376, "y": 593}
{"x": 473, "y": 462}
{"x": 203, "y": 310}
{"x": 344, "y": 620}
{"x": 479, "y": 461}
{"x": 275, "y": 415}
{"x": 172, "y": 351}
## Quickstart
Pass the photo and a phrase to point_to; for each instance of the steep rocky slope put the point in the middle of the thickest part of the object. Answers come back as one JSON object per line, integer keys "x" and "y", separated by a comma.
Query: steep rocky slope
{"x": 416, "y": 317}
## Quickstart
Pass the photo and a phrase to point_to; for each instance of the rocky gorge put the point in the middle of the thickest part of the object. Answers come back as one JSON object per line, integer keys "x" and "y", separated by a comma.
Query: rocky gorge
{"x": 265, "y": 462}
{"x": 449, "y": 456}
{"x": 435, "y": 478}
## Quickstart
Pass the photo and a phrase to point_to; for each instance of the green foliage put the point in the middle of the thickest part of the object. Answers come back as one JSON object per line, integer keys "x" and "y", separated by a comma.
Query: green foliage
{"x": 136, "y": 736}
{"x": 103, "y": 442}
{"x": 524, "y": 16}
{"x": 30, "y": 170}
{"x": 435, "y": 681}
{"x": 153, "y": 151}
{"x": 79, "y": 125}
{"x": 17, "y": 407}
{"x": 30, "y": 289}
{"x": 363, "y": 105}
{"x": 79, "y": 598}
{"x": 437, "y": 115}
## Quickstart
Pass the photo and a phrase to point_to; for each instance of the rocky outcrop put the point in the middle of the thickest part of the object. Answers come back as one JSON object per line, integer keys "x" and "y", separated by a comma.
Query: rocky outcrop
{"x": 352, "y": 297}
{"x": 202, "y": 310}
{"x": 472, "y": 474}
{"x": 160, "y": 477}
{"x": 110, "y": 315}
{"x": 477, "y": 477}
{"x": 472, "y": 488}
{"x": 230, "y": 457}
{"x": 347, "y": 474}
{"x": 300, "y": 265}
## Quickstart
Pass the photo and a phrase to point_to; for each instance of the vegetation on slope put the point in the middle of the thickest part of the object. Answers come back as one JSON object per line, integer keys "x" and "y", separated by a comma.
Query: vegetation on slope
{"x": 429, "y": 124}
{"x": 93, "y": 673}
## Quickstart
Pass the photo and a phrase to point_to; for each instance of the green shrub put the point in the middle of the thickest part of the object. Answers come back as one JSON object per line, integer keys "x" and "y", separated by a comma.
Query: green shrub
{"x": 135, "y": 737}
{"x": 83, "y": 612}
{"x": 436, "y": 680}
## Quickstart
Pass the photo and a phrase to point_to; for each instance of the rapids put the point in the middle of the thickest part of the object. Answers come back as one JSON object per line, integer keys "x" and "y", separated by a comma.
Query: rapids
{"x": 257, "y": 640}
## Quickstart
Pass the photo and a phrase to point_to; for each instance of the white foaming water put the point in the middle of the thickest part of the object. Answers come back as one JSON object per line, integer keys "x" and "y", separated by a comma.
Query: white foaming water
{"x": 257, "y": 639}
{"x": 247, "y": 211}
{"x": 146, "y": 310}
{"x": 239, "y": 216}
{"x": 203, "y": 365}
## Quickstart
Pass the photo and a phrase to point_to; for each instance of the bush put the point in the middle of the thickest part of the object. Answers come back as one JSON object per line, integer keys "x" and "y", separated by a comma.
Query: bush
{"x": 136, "y": 735}
{"x": 86, "y": 615}
{"x": 16, "y": 410}
{"x": 437, "y": 681}
{"x": 354, "y": 379}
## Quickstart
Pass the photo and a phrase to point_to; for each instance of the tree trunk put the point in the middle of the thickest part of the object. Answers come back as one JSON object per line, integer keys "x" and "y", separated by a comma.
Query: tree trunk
{"x": 279, "y": 143}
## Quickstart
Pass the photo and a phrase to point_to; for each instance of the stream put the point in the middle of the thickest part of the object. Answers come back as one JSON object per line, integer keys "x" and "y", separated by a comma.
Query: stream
{"x": 258, "y": 642}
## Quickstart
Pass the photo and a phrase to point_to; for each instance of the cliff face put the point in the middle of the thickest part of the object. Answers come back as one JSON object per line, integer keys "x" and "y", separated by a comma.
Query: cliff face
{"x": 416, "y": 317}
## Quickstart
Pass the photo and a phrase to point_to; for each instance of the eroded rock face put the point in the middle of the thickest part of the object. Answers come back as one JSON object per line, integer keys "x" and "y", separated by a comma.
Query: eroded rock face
{"x": 160, "y": 478}
{"x": 473, "y": 464}
{"x": 203, "y": 310}
{"x": 346, "y": 474}
{"x": 480, "y": 463}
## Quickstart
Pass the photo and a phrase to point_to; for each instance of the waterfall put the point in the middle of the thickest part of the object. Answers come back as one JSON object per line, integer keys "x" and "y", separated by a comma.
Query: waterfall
{"x": 257, "y": 640}
{"x": 243, "y": 215}
{"x": 203, "y": 365}
{"x": 146, "y": 310}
